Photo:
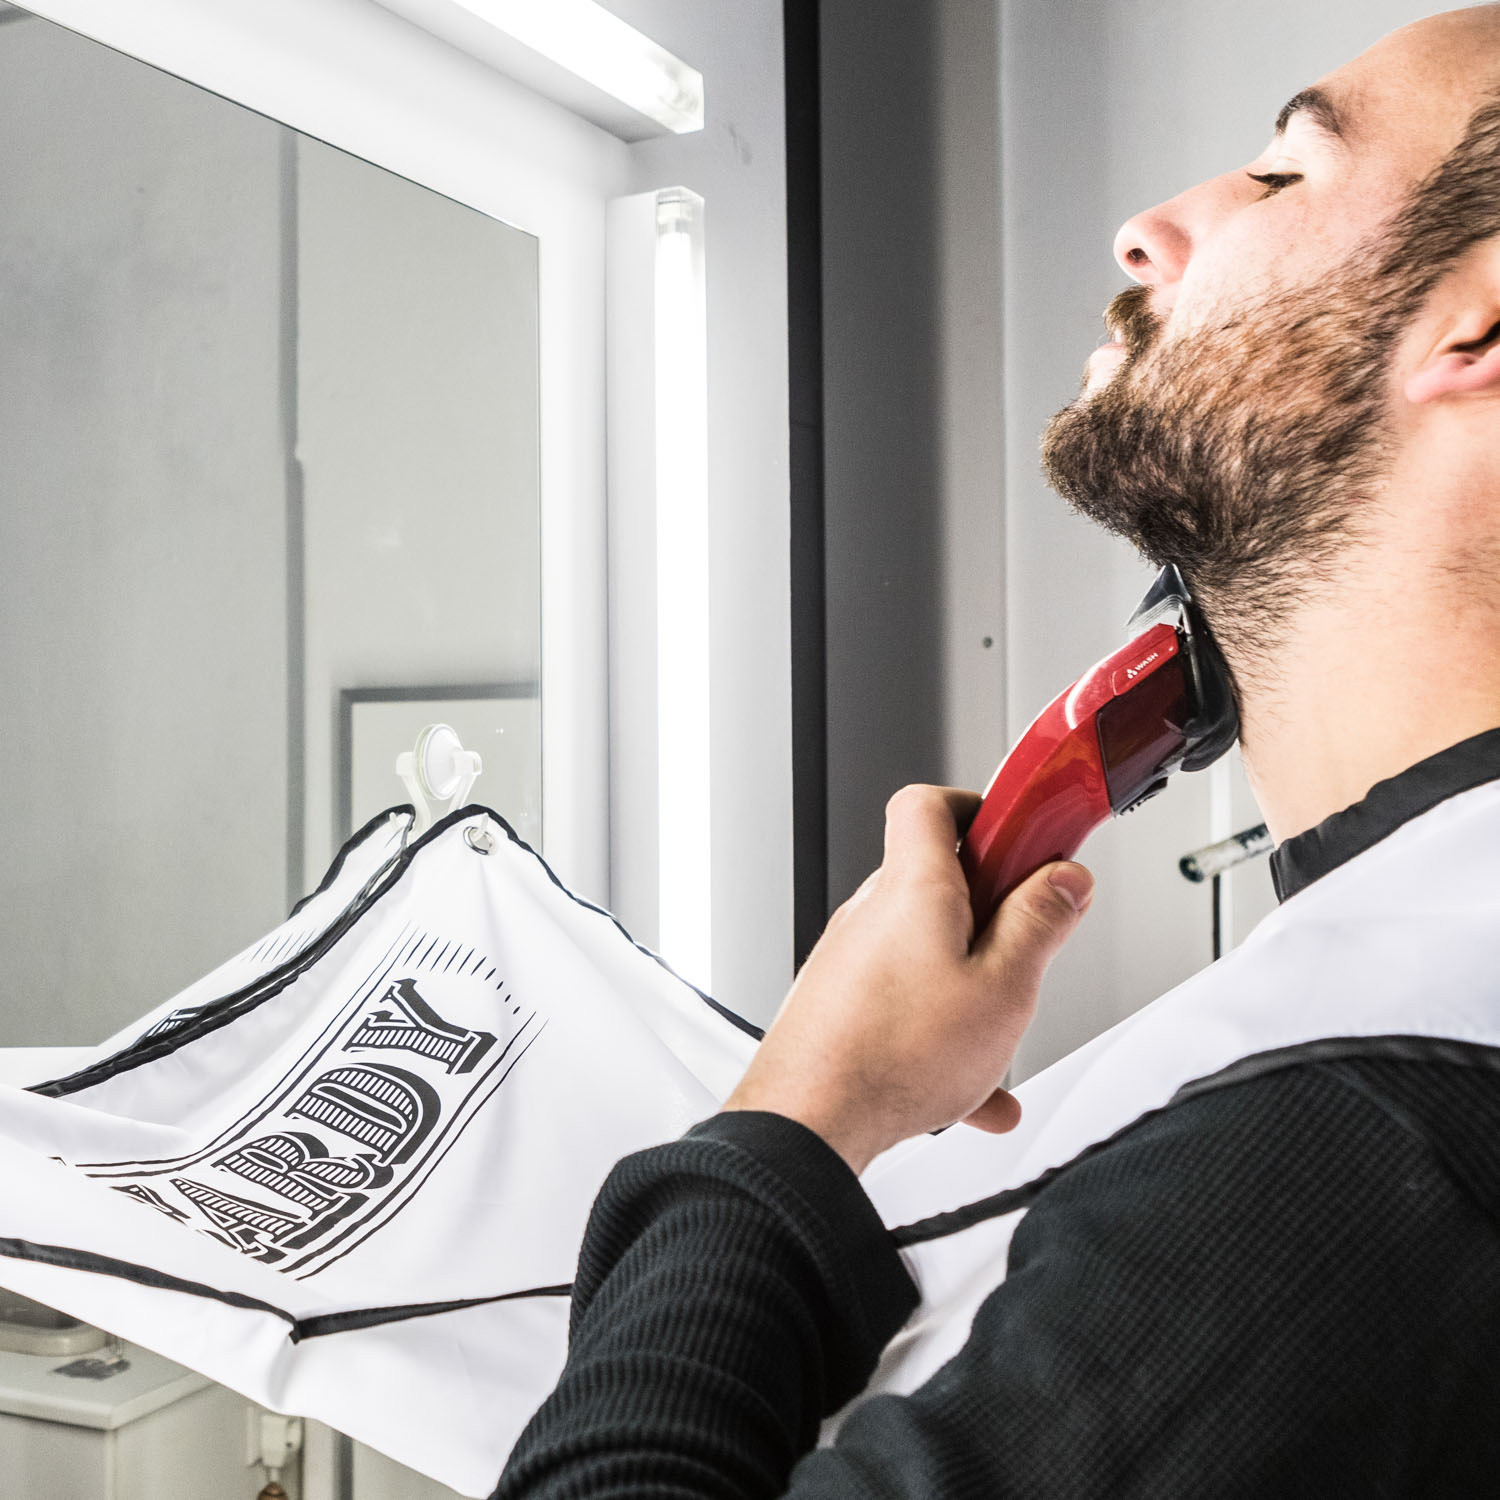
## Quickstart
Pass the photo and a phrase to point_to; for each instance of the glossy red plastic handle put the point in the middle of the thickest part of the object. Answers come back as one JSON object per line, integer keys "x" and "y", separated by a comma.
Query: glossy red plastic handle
{"x": 1053, "y": 789}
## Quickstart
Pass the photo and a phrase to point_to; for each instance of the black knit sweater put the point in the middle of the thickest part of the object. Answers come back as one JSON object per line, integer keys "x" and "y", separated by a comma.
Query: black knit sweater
{"x": 1286, "y": 1286}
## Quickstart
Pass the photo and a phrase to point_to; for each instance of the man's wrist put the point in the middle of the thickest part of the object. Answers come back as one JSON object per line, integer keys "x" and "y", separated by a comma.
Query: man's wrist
{"x": 835, "y": 1127}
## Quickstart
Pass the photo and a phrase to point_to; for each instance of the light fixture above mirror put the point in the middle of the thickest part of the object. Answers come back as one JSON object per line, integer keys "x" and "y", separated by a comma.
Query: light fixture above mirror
{"x": 576, "y": 53}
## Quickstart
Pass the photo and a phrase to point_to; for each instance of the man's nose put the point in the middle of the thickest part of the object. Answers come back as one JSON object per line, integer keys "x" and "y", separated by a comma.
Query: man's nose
{"x": 1154, "y": 247}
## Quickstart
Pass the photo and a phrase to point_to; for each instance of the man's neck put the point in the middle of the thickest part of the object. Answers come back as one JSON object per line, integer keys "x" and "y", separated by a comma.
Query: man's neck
{"x": 1366, "y": 687}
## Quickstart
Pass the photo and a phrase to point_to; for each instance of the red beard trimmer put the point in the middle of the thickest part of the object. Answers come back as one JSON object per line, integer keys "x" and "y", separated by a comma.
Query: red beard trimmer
{"x": 1162, "y": 703}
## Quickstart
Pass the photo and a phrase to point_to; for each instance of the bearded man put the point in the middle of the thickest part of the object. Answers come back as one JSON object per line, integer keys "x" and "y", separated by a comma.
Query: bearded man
{"x": 1270, "y": 1263}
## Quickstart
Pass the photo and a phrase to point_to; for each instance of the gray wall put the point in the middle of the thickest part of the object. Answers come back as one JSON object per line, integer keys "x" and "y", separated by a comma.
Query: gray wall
{"x": 141, "y": 508}
{"x": 954, "y": 230}
{"x": 914, "y": 444}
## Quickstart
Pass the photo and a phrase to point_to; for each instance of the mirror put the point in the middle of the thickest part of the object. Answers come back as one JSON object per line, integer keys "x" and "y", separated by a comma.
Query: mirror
{"x": 268, "y": 455}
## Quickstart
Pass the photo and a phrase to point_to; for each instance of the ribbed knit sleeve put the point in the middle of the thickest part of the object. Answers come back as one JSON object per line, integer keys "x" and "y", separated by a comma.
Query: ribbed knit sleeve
{"x": 1287, "y": 1287}
{"x": 734, "y": 1287}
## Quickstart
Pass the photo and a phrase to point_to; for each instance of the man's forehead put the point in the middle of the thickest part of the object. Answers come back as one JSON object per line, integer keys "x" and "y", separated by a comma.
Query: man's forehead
{"x": 1417, "y": 85}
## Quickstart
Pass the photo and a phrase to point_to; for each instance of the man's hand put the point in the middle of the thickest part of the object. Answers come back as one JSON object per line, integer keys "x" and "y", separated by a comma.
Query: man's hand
{"x": 902, "y": 1020}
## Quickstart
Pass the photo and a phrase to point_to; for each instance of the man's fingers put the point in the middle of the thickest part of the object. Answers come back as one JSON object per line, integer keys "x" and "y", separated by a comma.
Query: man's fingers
{"x": 922, "y": 826}
{"x": 1034, "y": 921}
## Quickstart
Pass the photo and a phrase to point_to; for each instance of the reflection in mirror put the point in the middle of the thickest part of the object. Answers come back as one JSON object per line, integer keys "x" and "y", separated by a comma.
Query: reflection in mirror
{"x": 268, "y": 438}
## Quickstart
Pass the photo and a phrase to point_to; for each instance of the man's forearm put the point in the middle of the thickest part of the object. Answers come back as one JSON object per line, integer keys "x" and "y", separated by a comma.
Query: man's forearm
{"x": 722, "y": 1309}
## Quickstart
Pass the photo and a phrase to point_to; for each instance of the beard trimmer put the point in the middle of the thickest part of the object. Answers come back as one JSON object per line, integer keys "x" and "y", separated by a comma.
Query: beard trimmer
{"x": 1162, "y": 703}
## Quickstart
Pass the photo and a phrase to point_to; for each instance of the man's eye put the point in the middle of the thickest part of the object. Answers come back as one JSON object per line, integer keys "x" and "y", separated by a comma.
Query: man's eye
{"x": 1273, "y": 182}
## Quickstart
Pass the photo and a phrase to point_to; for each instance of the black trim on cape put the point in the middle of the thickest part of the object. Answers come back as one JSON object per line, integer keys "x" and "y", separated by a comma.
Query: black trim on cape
{"x": 1398, "y": 1048}
{"x": 1403, "y": 1047}
{"x": 221, "y": 1012}
{"x": 349, "y": 845}
{"x": 318, "y": 1326}
{"x": 214, "y": 1014}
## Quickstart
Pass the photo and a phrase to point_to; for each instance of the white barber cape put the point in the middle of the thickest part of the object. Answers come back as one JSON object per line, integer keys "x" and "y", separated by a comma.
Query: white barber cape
{"x": 348, "y": 1172}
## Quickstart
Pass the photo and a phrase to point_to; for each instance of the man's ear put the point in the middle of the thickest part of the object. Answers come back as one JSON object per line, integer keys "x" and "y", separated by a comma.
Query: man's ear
{"x": 1463, "y": 357}
{"x": 1457, "y": 372}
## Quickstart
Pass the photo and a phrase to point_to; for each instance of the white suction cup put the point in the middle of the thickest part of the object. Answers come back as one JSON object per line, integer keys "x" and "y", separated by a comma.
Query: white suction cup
{"x": 439, "y": 771}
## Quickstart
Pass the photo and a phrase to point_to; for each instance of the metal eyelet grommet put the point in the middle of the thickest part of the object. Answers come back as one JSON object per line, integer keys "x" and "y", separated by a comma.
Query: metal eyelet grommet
{"x": 480, "y": 840}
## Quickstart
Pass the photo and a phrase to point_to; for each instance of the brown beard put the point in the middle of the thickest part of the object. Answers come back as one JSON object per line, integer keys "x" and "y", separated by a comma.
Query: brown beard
{"x": 1247, "y": 452}
{"x": 1252, "y": 453}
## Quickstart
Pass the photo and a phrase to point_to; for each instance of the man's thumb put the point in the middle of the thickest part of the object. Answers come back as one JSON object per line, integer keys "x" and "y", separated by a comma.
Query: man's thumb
{"x": 1036, "y": 919}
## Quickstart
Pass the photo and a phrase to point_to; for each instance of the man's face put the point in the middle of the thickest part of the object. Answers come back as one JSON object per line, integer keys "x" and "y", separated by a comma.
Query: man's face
{"x": 1238, "y": 422}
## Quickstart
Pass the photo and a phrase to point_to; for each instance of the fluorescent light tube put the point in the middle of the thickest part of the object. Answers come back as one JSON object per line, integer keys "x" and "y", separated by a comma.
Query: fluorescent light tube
{"x": 614, "y": 62}
{"x": 685, "y": 885}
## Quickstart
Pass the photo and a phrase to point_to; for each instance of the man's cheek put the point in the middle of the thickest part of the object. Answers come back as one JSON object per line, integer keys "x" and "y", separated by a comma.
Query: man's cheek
{"x": 1237, "y": 269}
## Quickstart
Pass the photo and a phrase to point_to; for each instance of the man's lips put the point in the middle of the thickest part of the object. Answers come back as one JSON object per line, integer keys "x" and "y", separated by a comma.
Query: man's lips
{"x": 1103, "y": 363}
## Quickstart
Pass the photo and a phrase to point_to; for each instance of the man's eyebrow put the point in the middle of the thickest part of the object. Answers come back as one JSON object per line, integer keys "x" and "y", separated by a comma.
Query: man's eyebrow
{"x": 1318, "y": 107}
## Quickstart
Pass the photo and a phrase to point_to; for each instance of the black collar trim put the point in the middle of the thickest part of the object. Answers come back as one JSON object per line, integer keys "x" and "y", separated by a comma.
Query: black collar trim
{"x": 1387, "y": 805}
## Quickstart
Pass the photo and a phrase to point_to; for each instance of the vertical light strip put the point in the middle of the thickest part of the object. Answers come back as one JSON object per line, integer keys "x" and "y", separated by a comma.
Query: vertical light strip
{"x": 682, "y": 589}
